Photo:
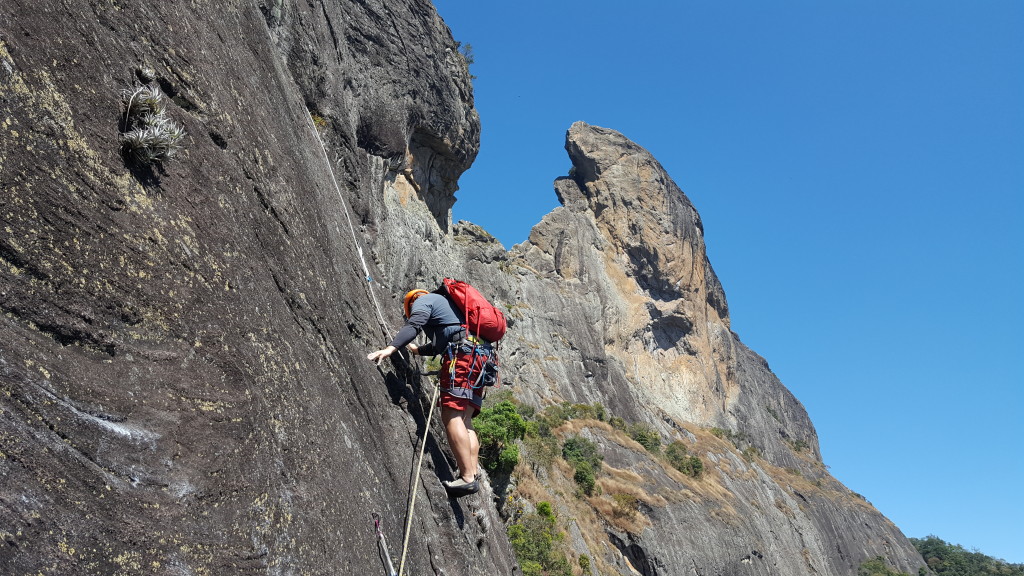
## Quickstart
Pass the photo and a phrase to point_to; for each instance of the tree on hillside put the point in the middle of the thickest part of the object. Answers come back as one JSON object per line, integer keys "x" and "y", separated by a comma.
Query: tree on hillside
{"x": 947, "y": 559}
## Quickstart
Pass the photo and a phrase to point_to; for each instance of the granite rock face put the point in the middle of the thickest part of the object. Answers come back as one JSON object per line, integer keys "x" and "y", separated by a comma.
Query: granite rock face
{"x": 614, "y": 301}
{"x": 183, "y": 382}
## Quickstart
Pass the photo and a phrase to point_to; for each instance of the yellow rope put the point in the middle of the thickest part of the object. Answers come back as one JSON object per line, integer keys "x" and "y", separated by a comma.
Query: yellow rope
{"x": 416, "y": 481}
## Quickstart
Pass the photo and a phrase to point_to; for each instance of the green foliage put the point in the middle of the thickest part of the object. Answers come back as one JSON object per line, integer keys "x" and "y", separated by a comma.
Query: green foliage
{"x": 548, "y": 419}
{"x": 799, "y": 445}
{"x": 319, "y": 121}
{"x": 578, "y": 449}
{"x": 741, "y": 441}
{"x": 554, "y": 416}
{"x": 497, "y": 428}
{"x": 535, "y": 540}
{"x": 647, "y": 436}
{"x": 544, "y": 510}
{"x": 626, "y": 505}
{"x": 467, "y": 54}
{"x": 681, "y": 460}
{"x": 585, "y": 563}
{"x": 433, "y": 363}
{"x": 877, "y": 567}
{"x": 617, "y": 423}
{"x": 584, "y": 457}
{"x": 584, "y": 477}
{"x": 947, "y": 559}
{"x": 541, "y": 450}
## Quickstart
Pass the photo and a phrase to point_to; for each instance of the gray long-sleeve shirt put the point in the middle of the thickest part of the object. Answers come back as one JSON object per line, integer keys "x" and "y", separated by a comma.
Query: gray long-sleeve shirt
{"x": 435, "y": 315}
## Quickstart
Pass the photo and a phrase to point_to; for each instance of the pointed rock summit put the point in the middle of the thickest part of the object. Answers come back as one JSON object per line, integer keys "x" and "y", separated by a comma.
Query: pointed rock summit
{"x": 657, "y": 319}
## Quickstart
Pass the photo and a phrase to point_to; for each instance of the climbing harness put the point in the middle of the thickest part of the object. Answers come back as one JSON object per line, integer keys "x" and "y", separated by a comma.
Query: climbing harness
{"x": 383, "y": 544}
{"x": 480, "y": 370}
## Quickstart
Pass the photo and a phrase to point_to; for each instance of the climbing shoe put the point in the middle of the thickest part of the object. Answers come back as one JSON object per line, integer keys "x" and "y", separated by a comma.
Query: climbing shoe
{"x": 460, "y": 487}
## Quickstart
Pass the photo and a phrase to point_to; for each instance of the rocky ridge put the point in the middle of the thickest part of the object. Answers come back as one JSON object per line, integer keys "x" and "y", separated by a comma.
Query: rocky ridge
{"x": 183, "y": 384}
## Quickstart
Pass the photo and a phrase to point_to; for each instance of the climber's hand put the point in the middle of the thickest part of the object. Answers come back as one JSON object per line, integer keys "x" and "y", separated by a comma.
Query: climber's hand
{"x": 379, "y": 355}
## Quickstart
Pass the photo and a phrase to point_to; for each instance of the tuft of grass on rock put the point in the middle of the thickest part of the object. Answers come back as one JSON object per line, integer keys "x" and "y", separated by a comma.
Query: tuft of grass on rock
{"x": 148, "y": 135}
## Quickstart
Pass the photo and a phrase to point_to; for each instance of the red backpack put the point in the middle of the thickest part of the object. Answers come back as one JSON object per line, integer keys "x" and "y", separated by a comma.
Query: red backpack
{"x": 483, "y": 319}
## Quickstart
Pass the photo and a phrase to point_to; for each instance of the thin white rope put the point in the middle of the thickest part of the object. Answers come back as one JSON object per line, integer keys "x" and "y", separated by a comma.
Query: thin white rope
{"x": 384, "y": 326}
{"x": 351, "y": 227}
{"x": 416, "y": 480}
{"x": 409, "y": 512}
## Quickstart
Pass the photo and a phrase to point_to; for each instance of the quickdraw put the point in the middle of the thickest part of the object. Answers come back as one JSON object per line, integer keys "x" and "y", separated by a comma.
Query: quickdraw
{"x": 384, "y": 545}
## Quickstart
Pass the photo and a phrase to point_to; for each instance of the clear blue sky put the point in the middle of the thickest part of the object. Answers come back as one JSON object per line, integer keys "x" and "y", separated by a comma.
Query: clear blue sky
{"x": 859, "y": 168}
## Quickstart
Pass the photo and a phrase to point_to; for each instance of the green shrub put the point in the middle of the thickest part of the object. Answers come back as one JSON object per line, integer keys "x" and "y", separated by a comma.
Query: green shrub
{"x": 584, "y": 477}
{"x": 579, "y": 449}
{"x": 617, "y": 423}
{"x": 497, "y": 428}
{"x": 541, "y": 450}
{"x": 554, "y": 416}
{"x": 584, "y": 457}
{"x": 626, "y": 505}
{"x": 550, "y": 418}
{"x": 585, "y": 563}
{"x": 676, "y": 453}
{"x": 647, "y": 436}
{"x": 535, "y": 540}
{"x": 678, "y": 457}
{"x": 593, "y": 411}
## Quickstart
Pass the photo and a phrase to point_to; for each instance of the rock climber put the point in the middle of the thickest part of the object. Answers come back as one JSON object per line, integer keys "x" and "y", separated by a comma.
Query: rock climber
{"x": 440, "y": 319}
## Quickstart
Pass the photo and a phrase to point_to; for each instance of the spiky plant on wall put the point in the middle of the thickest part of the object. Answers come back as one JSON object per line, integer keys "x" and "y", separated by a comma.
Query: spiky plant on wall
{"x": 148, "y": 135}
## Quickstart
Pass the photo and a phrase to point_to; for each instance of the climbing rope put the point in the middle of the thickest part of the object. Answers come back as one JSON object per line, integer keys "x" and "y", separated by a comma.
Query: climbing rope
{"x": 351, "y": 227}
{"x": 380, "y": 316}
{"x": 416, "y": 480}
{"x": 390, "y": 336}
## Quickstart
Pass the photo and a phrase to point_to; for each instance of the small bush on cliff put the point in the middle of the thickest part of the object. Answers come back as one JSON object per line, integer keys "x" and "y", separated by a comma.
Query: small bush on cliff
{"x": 541, "y": 450}
{"x": 585, "y": 459}
{"x": 554, "y": 416}
{"x": 647, "y": 436}
{"x": 498, "y": 428}
{"x": 535, "y": 540}
{"x": 680, "y": 459}
{"x": 148, "y": 136}
{"x": 626, "y": 505}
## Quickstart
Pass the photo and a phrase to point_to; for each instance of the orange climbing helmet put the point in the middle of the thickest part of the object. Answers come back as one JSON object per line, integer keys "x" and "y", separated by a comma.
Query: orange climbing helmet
{"x": 411, "y": 297}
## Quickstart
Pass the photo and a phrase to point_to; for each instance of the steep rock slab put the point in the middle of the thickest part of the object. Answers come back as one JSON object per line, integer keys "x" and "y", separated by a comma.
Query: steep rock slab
{"x": 183, "y": 384}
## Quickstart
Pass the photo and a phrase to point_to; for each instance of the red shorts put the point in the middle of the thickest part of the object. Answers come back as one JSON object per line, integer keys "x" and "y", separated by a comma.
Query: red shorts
{"x": 456, "y": 403}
